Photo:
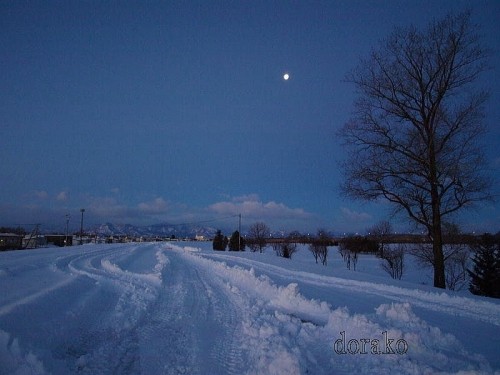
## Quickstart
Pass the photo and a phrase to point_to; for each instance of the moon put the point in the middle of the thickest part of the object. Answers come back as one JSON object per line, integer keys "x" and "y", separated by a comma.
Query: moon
{"x": 286, "y": 76}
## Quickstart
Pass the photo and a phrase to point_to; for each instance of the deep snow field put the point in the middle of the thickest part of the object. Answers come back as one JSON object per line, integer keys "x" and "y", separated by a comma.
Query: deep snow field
{"x": 181, "y": 308}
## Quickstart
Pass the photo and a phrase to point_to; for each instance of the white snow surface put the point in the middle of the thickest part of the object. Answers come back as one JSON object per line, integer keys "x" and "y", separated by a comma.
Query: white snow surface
{"x": 181, "y": 308}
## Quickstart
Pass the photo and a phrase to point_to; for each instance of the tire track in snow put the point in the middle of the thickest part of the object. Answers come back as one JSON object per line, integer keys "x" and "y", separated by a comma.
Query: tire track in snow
{"x": 192, "y": 327}
{"x": 6, "y": 309}
{"x": 165, "y": 343}
{"x": 111, "y": 345}
{"x": 226, "y": 351}
{"x": 60, "y": 266}
{"x": 273, "y": 340}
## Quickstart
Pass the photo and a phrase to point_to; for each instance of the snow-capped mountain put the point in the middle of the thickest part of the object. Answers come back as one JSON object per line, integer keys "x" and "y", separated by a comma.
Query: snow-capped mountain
{"x": 160, "y": 230}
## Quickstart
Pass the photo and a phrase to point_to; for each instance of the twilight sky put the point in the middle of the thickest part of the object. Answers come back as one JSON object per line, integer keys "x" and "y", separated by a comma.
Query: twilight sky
{"x": 145, "y": 112}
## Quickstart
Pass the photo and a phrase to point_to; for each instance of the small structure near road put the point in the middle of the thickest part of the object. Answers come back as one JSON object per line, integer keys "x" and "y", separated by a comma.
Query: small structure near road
{"x": 10, "y": 241}
{"x": 60, "y": 240}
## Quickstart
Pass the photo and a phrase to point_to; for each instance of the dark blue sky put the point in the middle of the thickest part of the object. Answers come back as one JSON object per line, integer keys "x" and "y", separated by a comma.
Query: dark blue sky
{"x": 176, "y": 111}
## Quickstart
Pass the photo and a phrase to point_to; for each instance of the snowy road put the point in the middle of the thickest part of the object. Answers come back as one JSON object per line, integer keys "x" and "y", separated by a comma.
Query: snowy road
{"x": 117, "y": 309}
{"x": 164, "y": 309}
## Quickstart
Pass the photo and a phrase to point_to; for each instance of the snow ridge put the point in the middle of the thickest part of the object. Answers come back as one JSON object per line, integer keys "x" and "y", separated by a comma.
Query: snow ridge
{"x": 463, "y": 306}
{"x": 14, "y": 361}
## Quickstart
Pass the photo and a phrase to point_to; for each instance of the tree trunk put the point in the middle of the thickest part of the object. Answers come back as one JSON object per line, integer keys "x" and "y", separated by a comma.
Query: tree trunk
{"x": 437, "y": 235}
{"x": 437, "y": 249}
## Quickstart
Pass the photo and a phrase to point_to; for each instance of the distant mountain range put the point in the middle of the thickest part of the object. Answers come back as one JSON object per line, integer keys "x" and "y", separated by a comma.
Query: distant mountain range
{"x": 156, "y": 230}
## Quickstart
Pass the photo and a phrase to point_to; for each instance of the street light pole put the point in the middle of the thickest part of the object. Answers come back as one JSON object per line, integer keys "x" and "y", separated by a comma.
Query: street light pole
{"x": 81, "y": 226}
{"x": 239, "y": 233}
{"x": 67, "y": 223}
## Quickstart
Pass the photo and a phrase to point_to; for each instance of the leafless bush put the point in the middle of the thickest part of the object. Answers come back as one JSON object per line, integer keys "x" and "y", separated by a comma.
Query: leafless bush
{"x": 319, "y": 247}
{"x": 277, "y": 248}
{"x": 343, "y": 252}
{"x": 285, "y": 249}
{"x": 379, "y": 233}
{"x": 393, "y": 261}
{"x": 355, "y": 260}
{"x": 350, "y": 248}
{"x": 320, "y": 251}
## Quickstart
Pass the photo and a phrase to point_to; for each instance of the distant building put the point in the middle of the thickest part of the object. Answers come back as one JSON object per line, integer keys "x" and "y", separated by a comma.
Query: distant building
{"x": 10, "y": 241}
{"x": 59, "y": 240}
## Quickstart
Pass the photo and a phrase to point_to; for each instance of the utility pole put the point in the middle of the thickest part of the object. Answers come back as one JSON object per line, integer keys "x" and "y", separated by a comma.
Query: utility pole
{"x": 239, "y": 233}
{"x": 67, "y": 223}
{"x": 81, "y": 226}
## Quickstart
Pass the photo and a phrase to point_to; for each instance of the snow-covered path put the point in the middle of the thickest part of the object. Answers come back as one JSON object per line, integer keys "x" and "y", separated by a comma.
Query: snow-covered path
{"x": 116, "y": 309}
{"x": 164, "y": 309}
{"x": 192, "y": 326}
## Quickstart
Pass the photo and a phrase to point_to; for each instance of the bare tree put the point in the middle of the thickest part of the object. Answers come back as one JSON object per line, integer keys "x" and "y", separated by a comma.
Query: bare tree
{"x": 315, "y": 250}
{"x": 277, "y": 248}
{"x": 319, "y": 247}
{"x": 379, "y": 233}
{"x": 414, "y": 136}
{"x": 259, "y": 234}
{"x": 393, "y": 261}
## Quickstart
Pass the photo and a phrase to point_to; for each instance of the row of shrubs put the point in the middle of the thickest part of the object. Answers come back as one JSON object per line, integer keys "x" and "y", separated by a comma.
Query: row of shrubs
{"x": 483, "y": 278}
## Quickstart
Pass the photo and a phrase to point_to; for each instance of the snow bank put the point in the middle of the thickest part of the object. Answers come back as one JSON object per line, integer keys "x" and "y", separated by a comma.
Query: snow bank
{"x": 286, "y": 333}
{"x": 14, "y": 361}
{"x": 162, "y": 261}
{"x": 468, "y": 307}
{"x": 426, "y": 344}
